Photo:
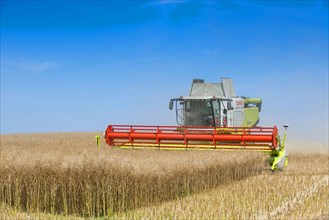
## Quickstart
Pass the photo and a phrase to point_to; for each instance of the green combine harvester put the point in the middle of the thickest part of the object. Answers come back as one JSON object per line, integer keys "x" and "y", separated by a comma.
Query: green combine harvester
{"x": 211, "y": 117}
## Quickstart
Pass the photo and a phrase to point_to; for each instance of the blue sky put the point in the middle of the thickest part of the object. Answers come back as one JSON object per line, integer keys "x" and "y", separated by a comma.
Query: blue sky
{"x": 80, "y": 65}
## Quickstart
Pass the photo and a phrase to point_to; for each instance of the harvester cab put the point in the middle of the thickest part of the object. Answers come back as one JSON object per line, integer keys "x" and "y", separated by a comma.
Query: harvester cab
{"x": 215, "y": 104}
{"x": 211, "y": 117}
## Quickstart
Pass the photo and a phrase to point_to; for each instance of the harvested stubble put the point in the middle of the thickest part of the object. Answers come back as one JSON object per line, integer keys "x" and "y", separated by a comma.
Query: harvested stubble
{"x": 67, "y": 174}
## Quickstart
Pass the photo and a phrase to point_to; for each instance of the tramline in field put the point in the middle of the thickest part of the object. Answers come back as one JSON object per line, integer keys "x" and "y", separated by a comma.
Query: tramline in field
{"x": 211, "y": 117}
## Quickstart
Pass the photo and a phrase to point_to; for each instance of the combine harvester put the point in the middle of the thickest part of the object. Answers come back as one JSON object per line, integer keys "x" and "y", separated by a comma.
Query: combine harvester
{"x": 211, "y": 117}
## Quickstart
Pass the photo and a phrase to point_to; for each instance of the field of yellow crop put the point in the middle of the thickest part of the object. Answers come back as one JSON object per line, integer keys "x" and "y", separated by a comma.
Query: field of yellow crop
{"x": 299, "y": 192}
{"x": 66, "y": 175}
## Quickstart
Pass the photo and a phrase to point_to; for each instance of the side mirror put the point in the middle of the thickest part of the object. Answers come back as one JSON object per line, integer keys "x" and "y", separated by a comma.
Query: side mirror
{"x": 171, "y": 104}
{"x": 259, "y": 106}
{"x": 229, "y": 105}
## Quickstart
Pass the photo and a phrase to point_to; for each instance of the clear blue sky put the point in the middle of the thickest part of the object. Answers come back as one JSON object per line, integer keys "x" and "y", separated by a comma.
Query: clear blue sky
{"x": 80, "y": 65}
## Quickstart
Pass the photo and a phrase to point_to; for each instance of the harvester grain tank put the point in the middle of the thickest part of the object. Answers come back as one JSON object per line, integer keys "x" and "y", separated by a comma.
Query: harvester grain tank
{"x": 211, "y": 117}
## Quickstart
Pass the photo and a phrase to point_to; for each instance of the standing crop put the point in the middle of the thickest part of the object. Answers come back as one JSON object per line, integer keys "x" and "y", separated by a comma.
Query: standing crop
{"x": 67, "y": 174}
